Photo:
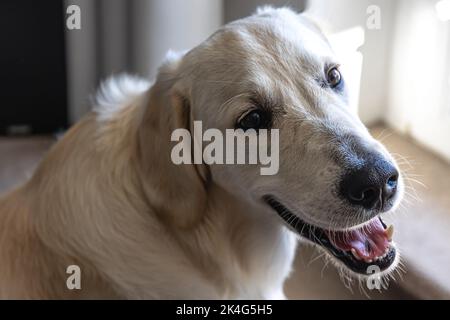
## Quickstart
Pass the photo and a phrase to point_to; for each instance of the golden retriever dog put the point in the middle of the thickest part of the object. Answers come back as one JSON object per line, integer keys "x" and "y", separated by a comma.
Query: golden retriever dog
{"x": 109, "y": 199}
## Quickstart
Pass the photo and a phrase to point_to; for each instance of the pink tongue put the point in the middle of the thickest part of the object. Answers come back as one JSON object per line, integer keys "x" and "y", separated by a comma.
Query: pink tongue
{"x": 369, "y": 241}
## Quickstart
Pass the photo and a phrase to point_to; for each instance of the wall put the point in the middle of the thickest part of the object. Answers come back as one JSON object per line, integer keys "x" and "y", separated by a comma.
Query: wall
{"x": 419, "y": 99}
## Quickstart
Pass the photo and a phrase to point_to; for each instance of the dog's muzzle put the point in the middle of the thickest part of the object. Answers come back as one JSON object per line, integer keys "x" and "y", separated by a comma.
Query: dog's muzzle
{"x": 357, "y": 248}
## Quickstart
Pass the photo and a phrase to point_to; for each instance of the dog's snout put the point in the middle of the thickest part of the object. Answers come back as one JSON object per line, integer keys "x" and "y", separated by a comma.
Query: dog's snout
{"x": 371, "y": 185}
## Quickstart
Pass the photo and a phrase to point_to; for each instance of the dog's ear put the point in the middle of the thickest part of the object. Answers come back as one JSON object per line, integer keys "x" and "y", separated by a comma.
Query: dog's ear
{"x": 176, "y": 192}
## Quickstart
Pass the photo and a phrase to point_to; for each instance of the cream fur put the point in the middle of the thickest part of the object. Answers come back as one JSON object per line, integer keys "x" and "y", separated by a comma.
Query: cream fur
{"x": 108, "y": 198}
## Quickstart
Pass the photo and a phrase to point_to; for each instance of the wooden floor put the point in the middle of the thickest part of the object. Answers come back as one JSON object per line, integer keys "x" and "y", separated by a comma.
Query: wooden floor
{"x": 19, "y": 157}
{"x": 311, "y": 278}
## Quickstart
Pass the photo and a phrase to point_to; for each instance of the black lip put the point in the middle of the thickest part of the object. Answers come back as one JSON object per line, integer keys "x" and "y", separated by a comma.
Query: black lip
{"x": 318, "y": 236}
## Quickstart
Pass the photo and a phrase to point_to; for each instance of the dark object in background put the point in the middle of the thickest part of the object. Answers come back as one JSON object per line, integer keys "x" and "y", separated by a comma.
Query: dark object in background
{"x": 237, "y": 9}
{"x": 32, "y": 63}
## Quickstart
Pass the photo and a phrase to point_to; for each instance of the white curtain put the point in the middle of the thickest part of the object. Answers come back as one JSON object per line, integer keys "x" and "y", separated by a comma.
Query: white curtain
{"x": 130, "y": 36}
{"x": 134, "y": 35}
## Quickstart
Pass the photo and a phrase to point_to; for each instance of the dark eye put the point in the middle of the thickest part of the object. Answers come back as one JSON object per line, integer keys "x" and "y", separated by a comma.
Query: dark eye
{"x": 334, "y": 77}
{"x": 255, "y": 119}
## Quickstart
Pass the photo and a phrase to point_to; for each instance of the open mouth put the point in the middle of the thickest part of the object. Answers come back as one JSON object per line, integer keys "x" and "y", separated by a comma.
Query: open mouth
{"x": 357, "y": 248}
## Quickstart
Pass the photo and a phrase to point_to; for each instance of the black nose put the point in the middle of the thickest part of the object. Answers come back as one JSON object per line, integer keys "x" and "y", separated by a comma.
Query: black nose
{"x": 371, "y": 185}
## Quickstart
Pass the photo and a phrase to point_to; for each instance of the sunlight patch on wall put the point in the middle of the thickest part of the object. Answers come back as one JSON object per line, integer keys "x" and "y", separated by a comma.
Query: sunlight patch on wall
{"x": 443, "y": 10}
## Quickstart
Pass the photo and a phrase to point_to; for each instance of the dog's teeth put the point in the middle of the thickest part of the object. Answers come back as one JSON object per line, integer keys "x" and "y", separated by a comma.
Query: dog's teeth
{"x": 385, "y": 253}
{"x": 369, "y": 261}
{"x": 355, "y": 254}
{"x": 390, "y": 232}
{"x": 380, "y": 257}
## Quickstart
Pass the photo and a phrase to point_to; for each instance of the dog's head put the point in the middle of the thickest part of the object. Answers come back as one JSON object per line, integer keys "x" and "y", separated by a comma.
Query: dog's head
{"x": 276, "y": 70}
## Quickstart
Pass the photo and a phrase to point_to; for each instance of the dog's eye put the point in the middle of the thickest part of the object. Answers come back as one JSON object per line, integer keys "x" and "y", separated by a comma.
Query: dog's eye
{"x": 255, "y": 119}
{"x": 334, "y": 77}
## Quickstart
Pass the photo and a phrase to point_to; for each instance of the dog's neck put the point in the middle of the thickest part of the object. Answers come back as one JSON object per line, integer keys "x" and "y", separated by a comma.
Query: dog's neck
{"x": 257, "y": 247}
